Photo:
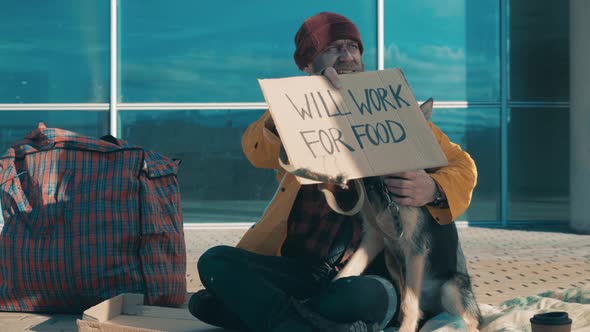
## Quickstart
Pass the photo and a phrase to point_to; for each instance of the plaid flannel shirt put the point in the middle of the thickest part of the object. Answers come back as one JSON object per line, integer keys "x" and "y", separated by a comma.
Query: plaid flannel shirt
{"x": 313, "y": 228}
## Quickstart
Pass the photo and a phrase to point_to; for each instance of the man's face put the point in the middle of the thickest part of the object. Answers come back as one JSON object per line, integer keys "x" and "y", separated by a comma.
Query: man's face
{"x": 344, "y": 55}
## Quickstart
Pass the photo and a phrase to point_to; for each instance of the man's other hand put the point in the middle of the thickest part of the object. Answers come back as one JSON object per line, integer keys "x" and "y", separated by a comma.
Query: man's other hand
{"x": 413, "y": 188}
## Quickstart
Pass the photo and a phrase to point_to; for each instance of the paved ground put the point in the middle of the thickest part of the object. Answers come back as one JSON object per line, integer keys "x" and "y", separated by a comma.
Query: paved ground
{"x": 503, "y": 263}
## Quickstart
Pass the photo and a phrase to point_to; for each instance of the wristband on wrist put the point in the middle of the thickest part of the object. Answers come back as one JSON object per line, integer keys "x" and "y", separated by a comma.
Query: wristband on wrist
{"x": 440, "y": 201}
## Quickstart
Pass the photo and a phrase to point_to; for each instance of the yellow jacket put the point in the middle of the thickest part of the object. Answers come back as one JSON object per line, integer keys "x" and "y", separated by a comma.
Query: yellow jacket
{"x": 261, "y": 147}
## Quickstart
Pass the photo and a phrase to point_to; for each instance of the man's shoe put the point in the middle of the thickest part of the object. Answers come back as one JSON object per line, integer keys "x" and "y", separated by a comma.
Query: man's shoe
{"x": 321, "y": 324}
{"x": 367, "y": 298}
{"x": 208, "y": 309}
{"x": 380, "y": 297}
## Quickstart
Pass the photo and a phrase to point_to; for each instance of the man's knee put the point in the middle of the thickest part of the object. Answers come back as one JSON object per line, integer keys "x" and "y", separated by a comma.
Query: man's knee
{"x": 212, "y": 261}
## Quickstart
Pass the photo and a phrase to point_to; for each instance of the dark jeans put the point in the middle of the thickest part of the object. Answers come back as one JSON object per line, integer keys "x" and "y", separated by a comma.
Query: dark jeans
{"x": 252, "y": 292}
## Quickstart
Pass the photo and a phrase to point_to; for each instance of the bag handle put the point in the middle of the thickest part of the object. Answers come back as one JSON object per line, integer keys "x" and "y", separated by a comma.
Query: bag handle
{"x": 112, "y": 139}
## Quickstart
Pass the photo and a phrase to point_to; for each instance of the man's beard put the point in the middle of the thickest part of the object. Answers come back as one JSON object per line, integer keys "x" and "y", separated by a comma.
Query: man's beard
{"x": 349, "y": 67}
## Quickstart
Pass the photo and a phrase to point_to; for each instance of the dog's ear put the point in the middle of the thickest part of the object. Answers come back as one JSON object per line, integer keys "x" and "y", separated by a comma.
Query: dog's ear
{"x": 426, "y": 108}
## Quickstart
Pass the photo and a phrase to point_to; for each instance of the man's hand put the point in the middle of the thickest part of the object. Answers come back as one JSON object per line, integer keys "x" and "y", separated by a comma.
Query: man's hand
{"x": 413, "y": 188}
{"x": 332, "y": 76}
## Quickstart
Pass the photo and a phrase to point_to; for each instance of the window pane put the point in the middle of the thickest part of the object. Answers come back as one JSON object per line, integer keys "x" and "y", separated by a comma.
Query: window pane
{"x": 477, "y": 131}
{"x": 214, "y": 51}
{"x": 218, "y": 184}
{"x": 538, "y": 164}
{"x": 54, "y": 51}
{"x": 539, "y": 50}
{"x": 448, "y": 50}
{"x": 14, "y": 125}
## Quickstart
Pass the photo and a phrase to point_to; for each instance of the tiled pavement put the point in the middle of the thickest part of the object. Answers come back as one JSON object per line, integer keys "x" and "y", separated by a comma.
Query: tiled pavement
{"x": 503, "y": 263}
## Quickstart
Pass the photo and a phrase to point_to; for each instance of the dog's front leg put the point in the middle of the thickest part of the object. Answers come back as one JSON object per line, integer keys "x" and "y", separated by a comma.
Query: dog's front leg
{"x": 371, "y": 245}
{"x": 410, "y": 305}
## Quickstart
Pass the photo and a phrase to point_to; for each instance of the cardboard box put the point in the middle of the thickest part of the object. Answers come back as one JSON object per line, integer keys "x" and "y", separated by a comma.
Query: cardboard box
{"x": 371, "y": 126}
{"x": 127, "y": 313}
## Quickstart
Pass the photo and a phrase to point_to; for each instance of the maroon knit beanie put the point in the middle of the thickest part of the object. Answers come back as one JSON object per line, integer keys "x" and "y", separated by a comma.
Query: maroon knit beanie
{"x": 318, "y": 31}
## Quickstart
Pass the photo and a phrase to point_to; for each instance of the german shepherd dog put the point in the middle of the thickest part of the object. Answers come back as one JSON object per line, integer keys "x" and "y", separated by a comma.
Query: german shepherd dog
{"x": 424, "y": 258}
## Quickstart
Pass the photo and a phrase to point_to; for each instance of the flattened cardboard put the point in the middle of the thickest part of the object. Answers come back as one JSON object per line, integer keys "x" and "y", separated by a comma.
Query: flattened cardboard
{"x": 371, "y": 126}
{"x": 127, "y": 313}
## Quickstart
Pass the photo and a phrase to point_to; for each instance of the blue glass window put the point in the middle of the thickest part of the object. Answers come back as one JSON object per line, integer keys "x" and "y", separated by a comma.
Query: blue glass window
{"x": 14, "y": 125}
{"x": 217, "y": 181}
{"x": 54, "y": 51}
{"x": 215, "y": 51}
{"x": 448, "y": 50}
{"x": 477, "y": 131}
{"x": 539, "y": 50}
{"x": 538, "y": 164}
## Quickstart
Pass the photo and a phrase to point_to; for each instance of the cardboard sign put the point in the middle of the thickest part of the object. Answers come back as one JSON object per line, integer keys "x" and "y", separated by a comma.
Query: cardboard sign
{"x": 127, "y": 313}
{"x": 371, "y": 126}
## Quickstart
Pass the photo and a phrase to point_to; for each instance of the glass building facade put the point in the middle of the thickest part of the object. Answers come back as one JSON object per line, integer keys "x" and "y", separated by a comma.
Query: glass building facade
{"x": 181, "y": 78}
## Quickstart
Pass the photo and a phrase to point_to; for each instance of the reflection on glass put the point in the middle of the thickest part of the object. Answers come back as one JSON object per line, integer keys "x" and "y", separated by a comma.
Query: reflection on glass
{"x": 538, "y": 164}
{"x": 448, "y": 50}
{"x": 14, "y": 125}
{"x": 214, "y": 51}
{"x": 539, "y": 50}
{"x": 477, "y": 131}
{"x": 54, "y": 51}
{"x": 218, "y": 184}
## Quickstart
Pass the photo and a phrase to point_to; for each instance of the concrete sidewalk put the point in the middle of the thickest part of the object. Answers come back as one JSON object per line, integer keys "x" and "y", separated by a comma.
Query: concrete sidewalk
{"x": 503, "y": 263}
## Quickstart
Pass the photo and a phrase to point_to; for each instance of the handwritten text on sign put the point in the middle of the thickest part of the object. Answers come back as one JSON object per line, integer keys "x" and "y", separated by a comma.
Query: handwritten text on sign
{"x": 371, "y": 126}
{"x": 330, "y": 139}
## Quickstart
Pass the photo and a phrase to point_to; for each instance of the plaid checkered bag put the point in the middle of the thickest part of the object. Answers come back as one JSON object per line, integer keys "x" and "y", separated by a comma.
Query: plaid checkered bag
{"x": 86, "y": 219}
